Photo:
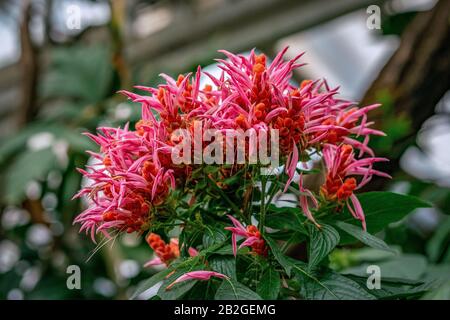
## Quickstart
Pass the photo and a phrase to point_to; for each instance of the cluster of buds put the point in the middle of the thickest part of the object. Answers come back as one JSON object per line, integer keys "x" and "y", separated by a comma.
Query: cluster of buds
{"x": 165, "y": 252}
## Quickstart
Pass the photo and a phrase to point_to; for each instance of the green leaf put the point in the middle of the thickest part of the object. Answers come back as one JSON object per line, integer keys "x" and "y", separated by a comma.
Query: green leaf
{"x": 391, "y": 288}
{"x": 269, "y": 285}
{"x": 327, "y": 285}
{"x": 406, "y": 266}
{"x": 214, "y": 235}
{"x": 284, "y": 218}
{"x": 279, "y": 256}
{"x": 223, "y": 264}
{"x": 322, "y": 241}
{"x": 211, "y": 169}
{"x": 233, "y": 290}
{"x": 147, "y": 284}
{"x": 383, "y": 208}
{"x": 413, "y": 292}
{"x": 16, "y": 143}
{"x": 79, "y": 72}
{"x": 225, "y": 250}
{"x": 332, "y": 286}
{"x": 30, "y": 165}
{"x": 438, "y": 272}
{"x": 440, "y": 293}
{"x": 439, "y": 242}
{"x": 203, "y": 290}
{"x": 364, "y": 236}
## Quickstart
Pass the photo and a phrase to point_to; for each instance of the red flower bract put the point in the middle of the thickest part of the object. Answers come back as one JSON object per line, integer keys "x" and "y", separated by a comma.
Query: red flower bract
{"x": 125, "y": 184}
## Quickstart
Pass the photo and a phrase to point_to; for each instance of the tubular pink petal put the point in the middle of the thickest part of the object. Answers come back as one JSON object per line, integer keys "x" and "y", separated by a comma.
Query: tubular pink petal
{"x": 154, "y": 262}
{"x": 249, "y": 242}
{"x": 358, "y": 210}
{"x": 275, "y": 112}
{"x": 306, "y": 211}
{"x": 292, "y": 166}
{"x": 197, "y": 275}
{"x": 236, "y": 223}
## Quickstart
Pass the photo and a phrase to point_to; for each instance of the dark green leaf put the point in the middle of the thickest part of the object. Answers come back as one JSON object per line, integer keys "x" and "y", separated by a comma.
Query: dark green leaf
{"x": 332, "y": 286}
{"x": 406, "y": 266}
{"x": 147, "y": 284}
{"x": 322, "y": 242}
{"x": 212, "y": 236}
{"x": 391, "y": 288}
{"x": 223, "y": 264}
{"x": 269, "y": 285}
{"x": 326, "y": 285}
{"x": 440, "y": 293}
{"x": 439, "y": 242}
{"x": 383, "y": 208}
{"x": 363, "y": 236}
{"x": 279, "y": 256}
{"x": 224, "y": 250}
{"x": 233, "y": 290}
{"x": 284, "y": 218}
{"x": 79, "y": 72}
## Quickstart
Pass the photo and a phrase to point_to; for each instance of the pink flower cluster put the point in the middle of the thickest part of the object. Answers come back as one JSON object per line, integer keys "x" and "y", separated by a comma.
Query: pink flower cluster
{"x": 134, "y": 173}
{"x": 251, "y": 234}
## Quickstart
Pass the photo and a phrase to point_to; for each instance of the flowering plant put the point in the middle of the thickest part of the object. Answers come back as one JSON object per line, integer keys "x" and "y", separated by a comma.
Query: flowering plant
{"x": 247, "y": 226}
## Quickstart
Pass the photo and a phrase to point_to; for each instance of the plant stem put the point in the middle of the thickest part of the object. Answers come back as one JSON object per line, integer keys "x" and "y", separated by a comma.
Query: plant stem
{"x": 262, "y": 217}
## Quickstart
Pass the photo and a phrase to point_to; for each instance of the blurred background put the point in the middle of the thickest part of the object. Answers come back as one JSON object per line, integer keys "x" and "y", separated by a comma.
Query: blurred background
{"x": 62, "y": 62}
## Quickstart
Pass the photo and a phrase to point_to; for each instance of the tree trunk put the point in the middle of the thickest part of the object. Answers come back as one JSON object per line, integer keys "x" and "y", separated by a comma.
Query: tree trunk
{"x": 29, "y": 67}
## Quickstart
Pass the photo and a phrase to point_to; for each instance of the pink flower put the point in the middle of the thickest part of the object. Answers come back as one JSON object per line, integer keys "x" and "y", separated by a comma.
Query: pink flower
{"x": 252, "y": 237}
{"x": 125, "y": 183}
{"x": 306, "y": 197}
{"x": 340, "y": 182}
{"x": 197, "y": 275}
{"x": 260, "y": 96}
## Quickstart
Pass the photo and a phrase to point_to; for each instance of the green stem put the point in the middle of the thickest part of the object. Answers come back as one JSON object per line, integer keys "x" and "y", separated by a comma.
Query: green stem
{"x": 272, "y": 193}
{"x": 262, "y": 217}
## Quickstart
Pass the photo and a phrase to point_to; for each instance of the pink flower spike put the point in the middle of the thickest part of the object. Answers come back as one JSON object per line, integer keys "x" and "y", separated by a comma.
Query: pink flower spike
{"x": 197, "y": 275}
